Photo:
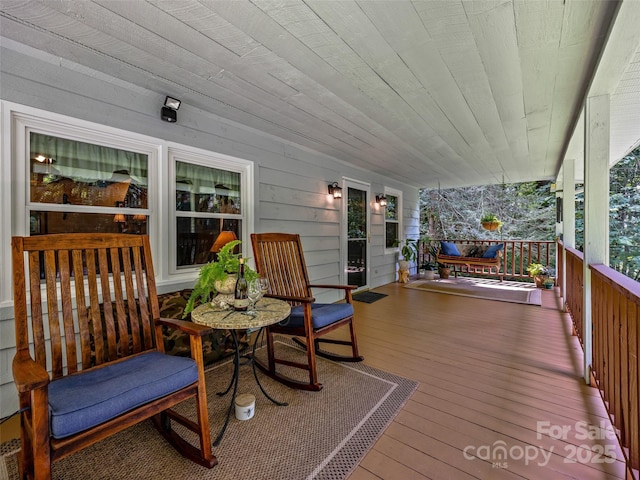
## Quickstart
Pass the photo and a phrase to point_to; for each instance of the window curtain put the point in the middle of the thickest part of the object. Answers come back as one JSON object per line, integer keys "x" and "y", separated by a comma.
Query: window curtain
{"x": 88, "y": 162}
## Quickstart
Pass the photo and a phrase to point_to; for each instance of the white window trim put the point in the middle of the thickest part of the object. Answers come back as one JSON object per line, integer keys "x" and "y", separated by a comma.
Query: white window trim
{"x": 181, "y": 153}
{"x": 17, "y": 120}
{"x": 396, "y": 193}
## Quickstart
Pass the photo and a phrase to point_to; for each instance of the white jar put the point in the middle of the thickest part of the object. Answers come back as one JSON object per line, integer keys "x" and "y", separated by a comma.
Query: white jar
{"x": 245, "y": 406}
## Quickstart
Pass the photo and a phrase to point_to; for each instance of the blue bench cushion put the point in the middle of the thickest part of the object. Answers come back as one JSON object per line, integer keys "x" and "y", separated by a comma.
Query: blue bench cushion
{"x": 492, "y": 251}
{"x": 449, "y": 248}
{"x": 81, "y": 401}
{"x": 322, "y": 314}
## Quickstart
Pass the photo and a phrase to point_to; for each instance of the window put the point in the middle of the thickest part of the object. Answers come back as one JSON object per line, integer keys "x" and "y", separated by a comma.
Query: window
{"x": 392, "y": 219}
{"x": 209, "y": 199}
{"x": 75, "y": 176}
{"x": 77, "y": 186}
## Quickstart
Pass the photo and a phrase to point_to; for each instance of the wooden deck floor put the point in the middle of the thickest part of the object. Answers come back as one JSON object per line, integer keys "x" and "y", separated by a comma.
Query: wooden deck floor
{"x": 488, "y": 373}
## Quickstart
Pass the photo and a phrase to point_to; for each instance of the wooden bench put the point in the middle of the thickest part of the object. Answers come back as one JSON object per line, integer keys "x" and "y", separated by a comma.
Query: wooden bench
{"x": 471, "y": 260}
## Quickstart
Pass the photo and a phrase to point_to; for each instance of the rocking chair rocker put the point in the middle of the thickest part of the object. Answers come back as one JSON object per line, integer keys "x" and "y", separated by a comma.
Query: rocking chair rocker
{"x": 279, "y": 257}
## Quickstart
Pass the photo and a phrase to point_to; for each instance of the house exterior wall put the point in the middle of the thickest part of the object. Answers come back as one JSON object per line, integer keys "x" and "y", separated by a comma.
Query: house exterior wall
{"x": 289, "y": 181}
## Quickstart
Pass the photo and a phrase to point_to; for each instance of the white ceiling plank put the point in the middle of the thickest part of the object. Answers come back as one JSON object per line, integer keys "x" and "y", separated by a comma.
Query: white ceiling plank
{"x": 453, "y": 92}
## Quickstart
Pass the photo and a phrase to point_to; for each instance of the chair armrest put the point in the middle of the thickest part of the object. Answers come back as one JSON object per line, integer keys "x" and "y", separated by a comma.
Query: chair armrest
{"x": 341, "y": 287}
{"x": 27, "y": 374}
{"x": 185, "y": 326}
{"x": 291, "y": 299}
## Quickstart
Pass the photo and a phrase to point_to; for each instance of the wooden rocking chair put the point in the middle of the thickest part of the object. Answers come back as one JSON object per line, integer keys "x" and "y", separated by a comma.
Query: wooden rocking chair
{"x": 94, "y": 314}
{"x": 279, "y": 257}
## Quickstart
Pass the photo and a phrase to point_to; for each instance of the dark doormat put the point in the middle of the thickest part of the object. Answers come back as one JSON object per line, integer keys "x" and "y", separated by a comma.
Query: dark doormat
{"x": 368, "y": 297}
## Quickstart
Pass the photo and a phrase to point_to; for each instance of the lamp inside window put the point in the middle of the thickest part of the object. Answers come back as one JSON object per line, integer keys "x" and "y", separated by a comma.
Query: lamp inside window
{"x": 225, "y": 237}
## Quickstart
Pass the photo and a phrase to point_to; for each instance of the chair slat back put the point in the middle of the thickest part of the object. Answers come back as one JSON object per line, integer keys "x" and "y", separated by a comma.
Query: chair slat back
{"x": 279, "y": 257}
{"x": 92, "y": 298}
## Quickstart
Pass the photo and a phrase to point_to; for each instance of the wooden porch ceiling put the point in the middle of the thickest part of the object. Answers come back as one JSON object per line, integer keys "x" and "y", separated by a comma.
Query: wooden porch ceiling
{"x": 449, "y": 93}
{"x": 489, "y": 372}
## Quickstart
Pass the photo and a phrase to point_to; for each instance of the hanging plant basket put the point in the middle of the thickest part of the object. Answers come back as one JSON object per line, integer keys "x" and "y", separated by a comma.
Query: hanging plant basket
{"x": 490, "y": 222}
{"x": 491, "y": 226}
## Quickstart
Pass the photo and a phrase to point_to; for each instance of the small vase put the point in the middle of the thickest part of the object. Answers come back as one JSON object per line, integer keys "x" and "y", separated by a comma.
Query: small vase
{"x": 227, "y": 285}
{"x": 225, "y": 289}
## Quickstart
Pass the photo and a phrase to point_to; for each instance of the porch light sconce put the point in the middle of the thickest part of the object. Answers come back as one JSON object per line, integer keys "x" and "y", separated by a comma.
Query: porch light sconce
{"x": 169, "y": 111}
{"x": 381, "y": 200}
{"x": 335, "y": 190}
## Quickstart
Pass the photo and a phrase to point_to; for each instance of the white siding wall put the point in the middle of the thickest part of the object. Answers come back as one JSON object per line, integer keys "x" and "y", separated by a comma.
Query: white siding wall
{"x": 290, "y": 181}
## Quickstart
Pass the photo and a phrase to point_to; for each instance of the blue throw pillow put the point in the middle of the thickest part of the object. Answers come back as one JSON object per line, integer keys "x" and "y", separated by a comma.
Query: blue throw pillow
{"x": 493, "y": 250}
{"x": 449, "y": 248}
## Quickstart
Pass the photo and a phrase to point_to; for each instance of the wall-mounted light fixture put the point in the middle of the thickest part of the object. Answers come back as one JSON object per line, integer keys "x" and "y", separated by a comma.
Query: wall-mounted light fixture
{"x": 335, "y": 190}
{"x": 381, "y": 199}
{"x": 171, "y": 106}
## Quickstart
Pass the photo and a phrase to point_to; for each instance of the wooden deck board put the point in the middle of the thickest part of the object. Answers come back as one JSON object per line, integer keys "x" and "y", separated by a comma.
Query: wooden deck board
{"x": 489, "y": 372}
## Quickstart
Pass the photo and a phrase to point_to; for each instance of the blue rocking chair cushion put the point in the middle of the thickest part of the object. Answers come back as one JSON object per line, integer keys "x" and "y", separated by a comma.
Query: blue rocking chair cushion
{"x": 323, "y": 314}
{"x": 79, "y": 402}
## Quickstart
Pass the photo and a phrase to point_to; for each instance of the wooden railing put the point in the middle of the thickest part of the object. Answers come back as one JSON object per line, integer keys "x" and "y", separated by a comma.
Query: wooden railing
{"x": 560, "y": 268}
{"x": 615, "y": 314}
{"x": 518, "y": 254}
{"x": 574, "y": 285}
{"x": 615, "y": 364}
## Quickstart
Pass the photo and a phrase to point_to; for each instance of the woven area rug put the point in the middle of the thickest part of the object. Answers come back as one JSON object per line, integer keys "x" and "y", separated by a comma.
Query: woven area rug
{"x": 319, "y": 435}
{"x": 515, "y": 292}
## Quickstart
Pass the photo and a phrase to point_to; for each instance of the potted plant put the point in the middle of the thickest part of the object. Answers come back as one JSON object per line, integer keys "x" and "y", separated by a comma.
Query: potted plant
{"x": 444, "y": 270}
{"x": 538, "y": 272}
{"x": 490, "y": 222}
{"x": 218, "y": 275}
{"x": 427, "y": 269}
{"x": 548, "y": 283}
{"x": 408, "y": 252}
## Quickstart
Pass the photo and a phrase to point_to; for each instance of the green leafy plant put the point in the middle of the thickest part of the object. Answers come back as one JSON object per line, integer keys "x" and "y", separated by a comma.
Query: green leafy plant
{"x": 227, "y": 263}
{"x": 433, "y": 251}
{"x": 537, "y": 269}
{"x": 490, "y": 218}
{"x": 408, "y": 250}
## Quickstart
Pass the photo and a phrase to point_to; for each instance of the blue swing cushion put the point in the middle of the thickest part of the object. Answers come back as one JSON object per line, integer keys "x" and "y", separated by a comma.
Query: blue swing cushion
{"x": 322, "y": 314}
{"x": 492, "y": 251}
{"x": 450, "y": 249}
{"x": 81, "y": 401}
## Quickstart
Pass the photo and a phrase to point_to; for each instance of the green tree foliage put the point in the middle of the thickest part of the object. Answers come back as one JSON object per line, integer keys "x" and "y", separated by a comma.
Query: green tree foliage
{"x": 527, "y": 211}
{"x": 624, "y": 215}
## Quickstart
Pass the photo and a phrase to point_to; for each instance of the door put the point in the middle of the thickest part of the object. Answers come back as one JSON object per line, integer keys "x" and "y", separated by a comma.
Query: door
{"x": 357, "y": 234}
